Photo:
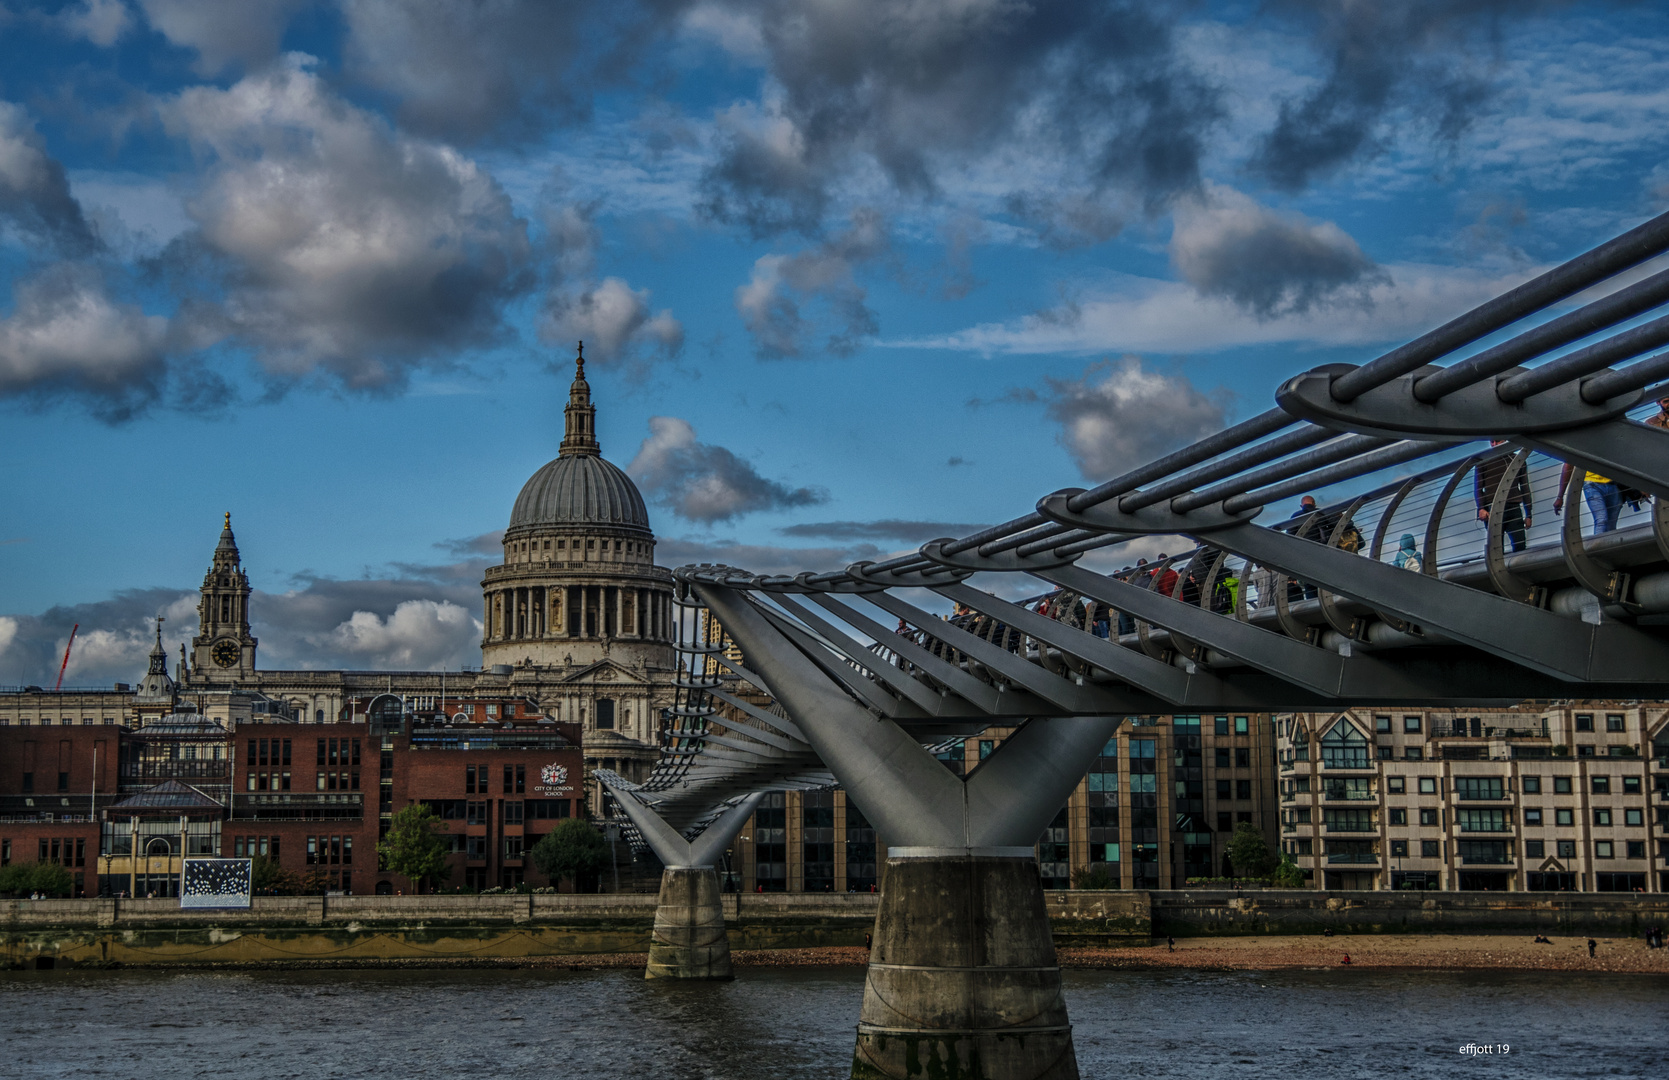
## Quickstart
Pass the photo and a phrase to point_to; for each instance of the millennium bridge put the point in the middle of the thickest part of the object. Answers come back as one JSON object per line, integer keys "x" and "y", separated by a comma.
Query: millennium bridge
{"x": 1504, "y": 535}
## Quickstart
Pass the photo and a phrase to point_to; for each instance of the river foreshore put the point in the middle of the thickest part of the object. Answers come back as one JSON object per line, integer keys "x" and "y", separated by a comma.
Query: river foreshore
{"x": 1429, "y": 951}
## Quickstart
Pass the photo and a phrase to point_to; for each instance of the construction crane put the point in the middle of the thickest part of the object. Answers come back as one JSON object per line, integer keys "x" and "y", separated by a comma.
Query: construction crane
{"x": 67, "y": 647}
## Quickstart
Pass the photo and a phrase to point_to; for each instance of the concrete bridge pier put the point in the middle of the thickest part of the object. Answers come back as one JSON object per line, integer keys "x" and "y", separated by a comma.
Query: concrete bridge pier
{"x": 689, "y": 939}
{"x": 963, "y": 981}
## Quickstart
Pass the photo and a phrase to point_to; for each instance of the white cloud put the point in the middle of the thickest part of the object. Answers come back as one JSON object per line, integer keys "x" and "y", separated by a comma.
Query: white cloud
{"x": 613, "y": 318}
{"x": 350, "y": 249}
{"x": 1150, "y": 315}
{"x": 419, "y": 634}
{"x": 1116, "y": 416}
{"x": 8, "y": 632}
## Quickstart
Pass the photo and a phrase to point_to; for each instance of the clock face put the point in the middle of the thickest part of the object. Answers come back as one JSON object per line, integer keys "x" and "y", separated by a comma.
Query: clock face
{"x": 226, "y": 653}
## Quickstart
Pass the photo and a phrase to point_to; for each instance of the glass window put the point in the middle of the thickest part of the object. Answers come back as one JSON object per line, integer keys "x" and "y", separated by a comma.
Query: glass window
{"x": 1431, "y": 849}
{"x": 1222, "y": 789}
{"x": 1220, "y": 725}
{"x": 1399, "y": 817}
{"x": 1602, "y": 784}
{"x": 1532, "y": 785}
{"x": 1428, "y": 818}
{"x": 1396, "y": 785}
{"x": 1399, "y": 849}
{"x": 1567, "y": 849}
{"x": 1631, "y": 785}
{"x": 1411, "y": 725}
{"x": 1602, "y": 817}
{"x": 1382, "y": 725}
{"x": 1603, "y": 849}
{"x": 1412, "y": 753}
{"x": 1532, "y": 817}
{"x": 1222, "y": 758}
{"x": 1242, "y": 789}
{"x": 1241, "y": 725}
{"x": 1564, "y": 817}
{"x": 1634, "y": 817}
{"x": 1637, "y": 849}
{"x": 1613, "y": 721}
{"x": 1242, "y": 758}
{"x": 1480, "y": 787}
{"x": 1428, "y": 785}
{"x": 1534, "y": 849}
{"x": 1561, "y": 785}
{"x": 1584, "y": 721}
{"x": 1343, "y": 747}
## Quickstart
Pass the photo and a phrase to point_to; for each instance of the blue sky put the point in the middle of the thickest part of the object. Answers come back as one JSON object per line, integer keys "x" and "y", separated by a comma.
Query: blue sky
{"x": 851, "y": 274}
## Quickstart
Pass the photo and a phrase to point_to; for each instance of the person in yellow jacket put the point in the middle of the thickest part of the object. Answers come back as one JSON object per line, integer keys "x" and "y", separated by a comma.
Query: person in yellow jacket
{"x": 1603, "y": 495}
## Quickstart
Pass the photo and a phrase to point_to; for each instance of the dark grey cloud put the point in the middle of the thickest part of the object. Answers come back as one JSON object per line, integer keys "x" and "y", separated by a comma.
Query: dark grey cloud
{"x": 909, "y": 532}
{"x": 35, "y": 199}
{"x": 918, "y": 87}
{"x": 246, "y": 33}
{"x": 67, "y": 338}
{"x": 762, "y": 558}
{"x": 496, "y": 70}
{"x": 1116, "y": 416}
{"x": 772, "y": 303}
{"x": 344, "y": 250}
{"x": 702, "y": 482}
{"x": 1429, "y": 57}
{"x": 1228, "y": 245}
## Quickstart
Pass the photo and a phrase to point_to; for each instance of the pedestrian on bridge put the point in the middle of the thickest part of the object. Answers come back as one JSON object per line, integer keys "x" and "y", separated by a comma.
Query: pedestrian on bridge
{"x": 1515, "y": 515}
{"x": 1603, "y": 495}
{"x": 1408, "y": 556}
{"x": 1661, "y": 420}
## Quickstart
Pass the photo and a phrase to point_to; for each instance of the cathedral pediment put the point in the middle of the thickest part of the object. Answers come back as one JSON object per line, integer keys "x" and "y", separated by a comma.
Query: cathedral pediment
{"x": 604, "y": 671}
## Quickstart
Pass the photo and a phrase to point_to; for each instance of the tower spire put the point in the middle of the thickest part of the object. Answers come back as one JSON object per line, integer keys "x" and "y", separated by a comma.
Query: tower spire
{"x": 579, "y": 438}
{"x": 159, "y": 657}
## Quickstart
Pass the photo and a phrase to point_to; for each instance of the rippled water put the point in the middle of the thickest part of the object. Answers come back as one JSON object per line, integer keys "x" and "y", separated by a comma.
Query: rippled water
{"x": 798, "y": 1023}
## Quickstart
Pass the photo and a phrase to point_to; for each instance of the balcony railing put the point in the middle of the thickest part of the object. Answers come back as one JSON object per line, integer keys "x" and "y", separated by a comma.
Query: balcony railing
{"x": 1365, "y": 827}
{"x": 1348, "y": 796}
{"x": 1487, "y": 860}
{"x": 1357, "y": 858}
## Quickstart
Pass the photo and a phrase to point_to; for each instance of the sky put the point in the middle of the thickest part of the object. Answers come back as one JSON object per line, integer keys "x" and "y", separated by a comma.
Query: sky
{"x": 851, "y": 274}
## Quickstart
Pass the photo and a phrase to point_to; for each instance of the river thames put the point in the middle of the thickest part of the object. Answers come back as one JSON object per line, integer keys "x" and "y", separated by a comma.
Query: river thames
{"x": 798, "y": 1023}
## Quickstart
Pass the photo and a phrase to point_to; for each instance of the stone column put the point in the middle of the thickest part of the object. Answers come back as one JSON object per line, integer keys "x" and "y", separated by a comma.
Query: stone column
{"x": 963, "y": 979}
{"x": 689, "y": 940}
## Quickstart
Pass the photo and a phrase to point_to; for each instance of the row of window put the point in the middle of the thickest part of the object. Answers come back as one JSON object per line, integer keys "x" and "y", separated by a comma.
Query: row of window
{"x": 1466, "y": 788}
{"x": 330, "y": 850}
{"x": 68, "y": 721}
{"x": 1478, "y": 851}
{"x": 477, "y": 779}
{"x": 631, "y": 547}
{"x": 1469, "y": 820}
{"x": 516, "y": 812}
{"x": 254, "y": 847}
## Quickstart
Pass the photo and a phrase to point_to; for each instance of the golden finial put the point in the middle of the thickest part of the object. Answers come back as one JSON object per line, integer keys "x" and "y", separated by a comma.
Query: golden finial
{"x": 580, "y": 363}
{"x": 228, "y": 519}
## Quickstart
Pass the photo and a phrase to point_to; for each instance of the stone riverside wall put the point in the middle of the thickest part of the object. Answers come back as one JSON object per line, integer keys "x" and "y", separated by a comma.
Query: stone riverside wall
{"x": 278, "y": 930}
{"x": 371, "y": 928}
{"x": 1199, "y": 913}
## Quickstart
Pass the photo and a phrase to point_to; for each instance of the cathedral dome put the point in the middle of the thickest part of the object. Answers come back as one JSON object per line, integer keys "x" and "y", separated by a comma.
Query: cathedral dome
{"x": 580, "y": 490}
{"x": 579, "y": 487}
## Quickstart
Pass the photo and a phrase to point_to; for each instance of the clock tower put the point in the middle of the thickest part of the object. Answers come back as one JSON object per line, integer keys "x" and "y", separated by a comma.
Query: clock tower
{"x": 223, "y": 648}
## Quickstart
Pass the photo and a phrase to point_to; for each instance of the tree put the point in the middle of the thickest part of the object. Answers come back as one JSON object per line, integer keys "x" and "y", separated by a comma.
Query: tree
{"x": 1287, "y": 875}
{"x": 413, "y": 847}
{"x": 26, "y": 879}
{"x": 1249, "y": 852}
{"x": 1094, "y": 876}
{"x": 267, "y": 878}
{"x": 573, "y": 849}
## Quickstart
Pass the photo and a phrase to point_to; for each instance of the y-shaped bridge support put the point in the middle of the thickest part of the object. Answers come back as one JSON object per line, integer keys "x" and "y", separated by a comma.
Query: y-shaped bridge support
{"x": 963, "y": 979}
{"x": 689, "y": 940}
